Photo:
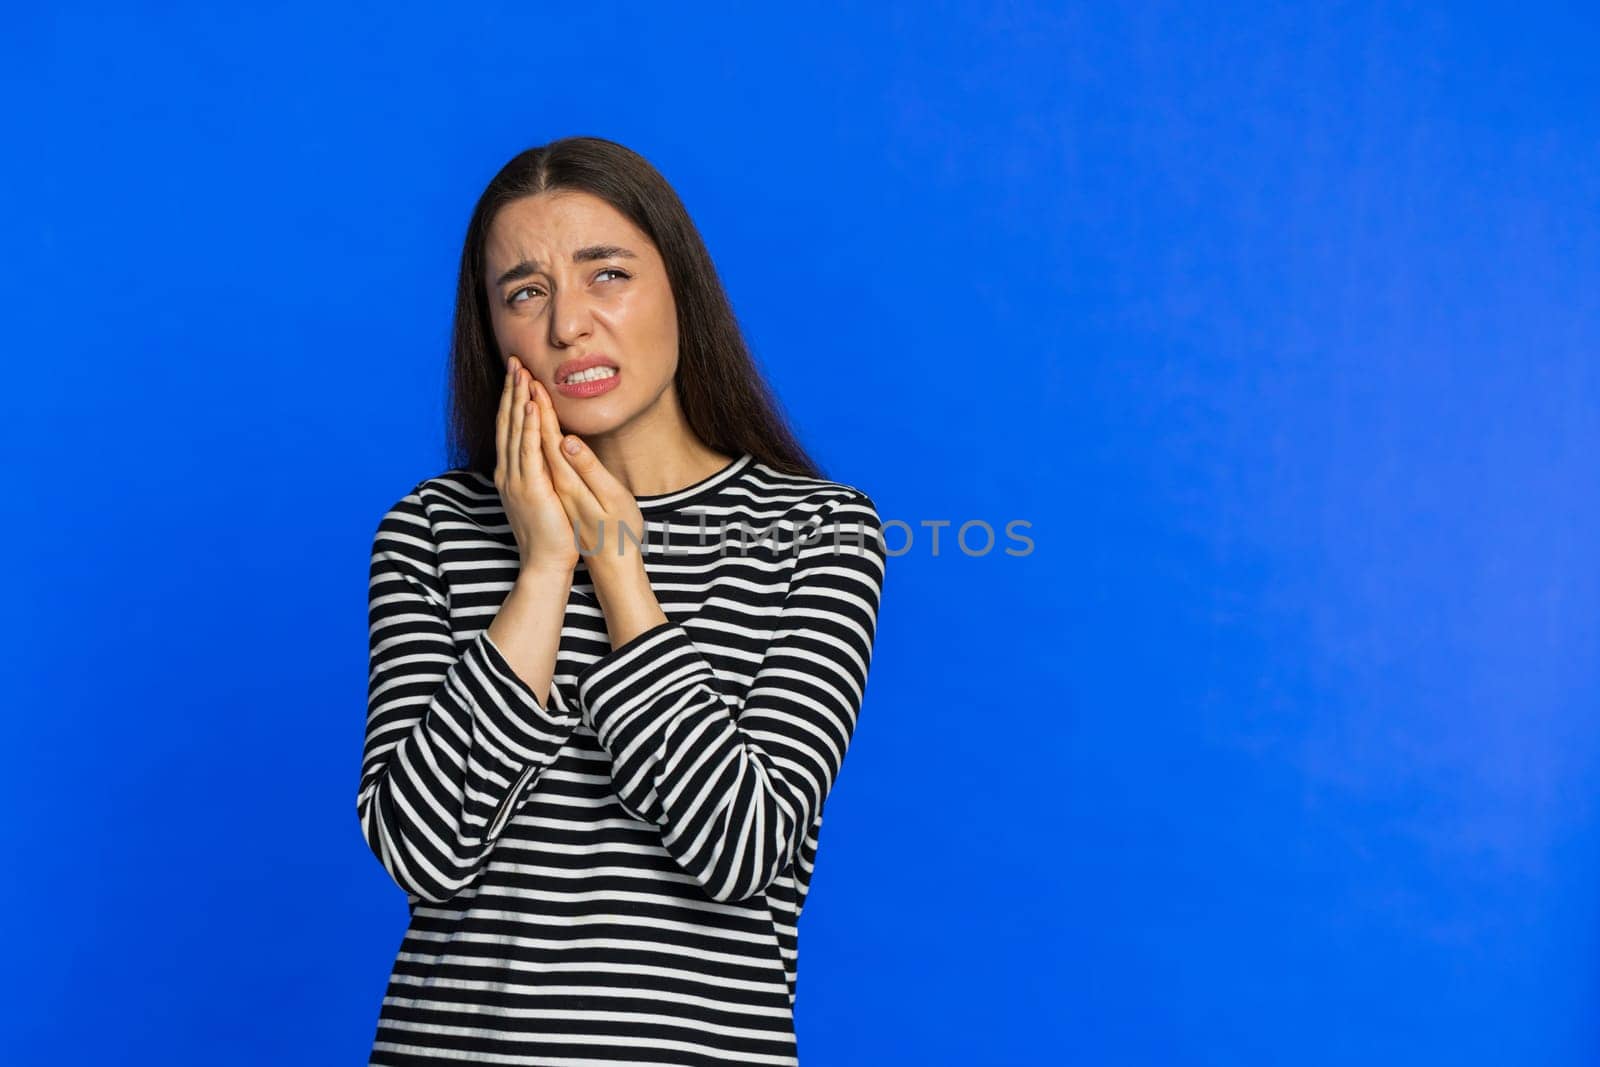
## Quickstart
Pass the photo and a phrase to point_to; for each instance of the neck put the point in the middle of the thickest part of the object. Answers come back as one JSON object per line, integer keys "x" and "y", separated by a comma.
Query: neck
{"x": 657, "y": 471}
{"x": 651, "y": 463}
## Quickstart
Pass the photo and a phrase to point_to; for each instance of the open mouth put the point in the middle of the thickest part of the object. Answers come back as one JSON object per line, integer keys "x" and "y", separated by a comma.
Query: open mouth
{"x": 593, "y": 374}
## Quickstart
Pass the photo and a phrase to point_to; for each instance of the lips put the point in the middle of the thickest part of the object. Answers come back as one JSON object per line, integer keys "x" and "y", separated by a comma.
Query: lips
{"x": 567, "y": 368}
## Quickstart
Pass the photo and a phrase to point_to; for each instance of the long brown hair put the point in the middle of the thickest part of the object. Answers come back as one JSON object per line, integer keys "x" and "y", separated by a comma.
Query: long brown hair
{"x": 725, "y": 399}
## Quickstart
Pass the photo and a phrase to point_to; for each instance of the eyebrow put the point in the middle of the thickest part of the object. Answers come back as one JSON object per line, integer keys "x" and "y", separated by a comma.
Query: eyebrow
{"x": 529, "y": 267}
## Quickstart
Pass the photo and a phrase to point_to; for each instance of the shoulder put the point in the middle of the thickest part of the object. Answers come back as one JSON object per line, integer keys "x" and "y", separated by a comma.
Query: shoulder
{"x": 460, "y": 494}
{"x": 829, "y": 519}
{"x": 805, "y": 499}
{"x": 451, "y": 497}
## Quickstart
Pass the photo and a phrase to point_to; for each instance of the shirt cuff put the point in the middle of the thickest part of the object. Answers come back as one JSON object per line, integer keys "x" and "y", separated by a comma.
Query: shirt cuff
{"x": 514, "y": 710}
{"x": 637, "y": 673}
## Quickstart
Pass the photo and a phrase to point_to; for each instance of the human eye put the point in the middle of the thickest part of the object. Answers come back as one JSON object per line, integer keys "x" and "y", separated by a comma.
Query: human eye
{"x": 512, "y": 300}
{"x": 614, "y": 270}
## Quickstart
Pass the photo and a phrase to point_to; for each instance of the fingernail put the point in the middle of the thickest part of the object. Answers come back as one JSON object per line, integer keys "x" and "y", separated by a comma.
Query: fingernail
{"x": 571, "y": 445}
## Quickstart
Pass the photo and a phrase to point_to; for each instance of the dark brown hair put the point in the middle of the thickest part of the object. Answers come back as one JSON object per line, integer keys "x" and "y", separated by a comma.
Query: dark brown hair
{"x": 724, "y": 398}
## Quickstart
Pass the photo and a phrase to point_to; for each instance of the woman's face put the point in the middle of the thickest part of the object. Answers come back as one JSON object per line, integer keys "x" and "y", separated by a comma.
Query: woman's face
{"x": 571, "y": 279}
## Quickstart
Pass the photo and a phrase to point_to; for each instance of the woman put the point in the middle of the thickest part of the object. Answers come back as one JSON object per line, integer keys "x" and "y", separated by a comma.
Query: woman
{"x": 617, "y": 653}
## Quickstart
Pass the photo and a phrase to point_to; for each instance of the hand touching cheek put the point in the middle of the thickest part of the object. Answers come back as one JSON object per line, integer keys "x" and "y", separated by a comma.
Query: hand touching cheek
{"x": 609, "y": 524}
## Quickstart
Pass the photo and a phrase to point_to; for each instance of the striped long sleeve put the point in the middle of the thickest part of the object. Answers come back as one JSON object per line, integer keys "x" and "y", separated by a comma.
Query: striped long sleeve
{"x": 453, "y": 738}
{"x": 736, "y": 785}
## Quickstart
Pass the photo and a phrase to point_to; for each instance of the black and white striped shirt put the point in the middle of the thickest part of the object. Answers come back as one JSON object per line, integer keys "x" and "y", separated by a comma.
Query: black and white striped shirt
{"x": 615, "y": 875}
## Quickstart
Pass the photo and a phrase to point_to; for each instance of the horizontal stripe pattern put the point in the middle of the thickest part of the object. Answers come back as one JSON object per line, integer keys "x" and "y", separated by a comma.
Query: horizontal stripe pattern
{"x": 614, "y": 875}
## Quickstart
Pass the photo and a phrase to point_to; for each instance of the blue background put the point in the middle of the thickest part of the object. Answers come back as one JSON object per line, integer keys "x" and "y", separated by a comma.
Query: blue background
{"x": 1278, "y": 324}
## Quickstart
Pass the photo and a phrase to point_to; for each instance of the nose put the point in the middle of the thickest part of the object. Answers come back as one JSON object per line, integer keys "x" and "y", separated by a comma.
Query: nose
{"x": 569, "y": 318}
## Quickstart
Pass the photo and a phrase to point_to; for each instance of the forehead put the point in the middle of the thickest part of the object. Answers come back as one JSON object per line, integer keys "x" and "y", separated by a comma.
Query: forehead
{"x": 549, "y": 226}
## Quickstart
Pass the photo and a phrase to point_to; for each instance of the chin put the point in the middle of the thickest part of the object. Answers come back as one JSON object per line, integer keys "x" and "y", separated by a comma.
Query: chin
{"x": 592, "y": 418}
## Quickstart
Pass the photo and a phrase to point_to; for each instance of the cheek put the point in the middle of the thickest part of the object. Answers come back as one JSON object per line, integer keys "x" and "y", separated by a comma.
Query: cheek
{"x": 511, "y": 333}
{"x": 656, "y": 322}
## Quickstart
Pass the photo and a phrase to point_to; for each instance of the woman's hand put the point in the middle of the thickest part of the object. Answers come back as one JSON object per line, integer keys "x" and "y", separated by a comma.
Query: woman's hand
{"x": 606, "y": 518}
{"x": 598, "y": 506}
{"x": 535, "y": 511}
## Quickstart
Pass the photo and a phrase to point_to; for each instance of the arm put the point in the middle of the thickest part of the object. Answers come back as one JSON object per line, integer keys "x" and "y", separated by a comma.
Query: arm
{"x": 452, "y": 740}
{"x": 736, "y": 785}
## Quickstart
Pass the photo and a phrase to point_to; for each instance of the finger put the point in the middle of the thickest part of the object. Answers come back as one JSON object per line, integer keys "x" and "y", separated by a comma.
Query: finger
{"x": 567, "y": 481}
{"x": 528, "y": 458}
{"x": 601, "y": 484}
{"x": 581, "y": 507}
{"x": 502, "y": 421}
{"x": 514, "y": 437}
{"x": 580, "y": 458}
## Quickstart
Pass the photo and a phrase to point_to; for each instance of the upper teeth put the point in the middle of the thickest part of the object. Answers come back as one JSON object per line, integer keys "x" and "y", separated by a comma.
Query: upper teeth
{"x": 591, "y": 374}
